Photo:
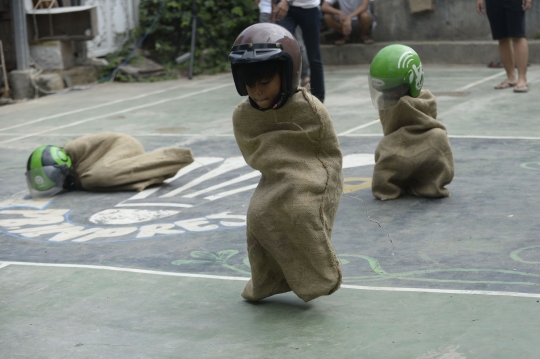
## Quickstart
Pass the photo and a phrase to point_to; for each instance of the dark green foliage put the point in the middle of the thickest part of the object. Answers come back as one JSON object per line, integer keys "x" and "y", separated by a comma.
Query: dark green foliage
{"x": 171, "y": 36}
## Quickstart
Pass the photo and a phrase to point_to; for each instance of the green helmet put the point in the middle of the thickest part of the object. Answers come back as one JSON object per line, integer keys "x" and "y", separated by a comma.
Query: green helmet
{"x": 46, "y": 170}
{"x": 395, "y": 71}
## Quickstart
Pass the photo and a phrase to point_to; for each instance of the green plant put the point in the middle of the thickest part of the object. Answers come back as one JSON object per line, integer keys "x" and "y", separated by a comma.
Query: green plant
{"x": 171, "y": 35}
{"x": 114, "y": 59}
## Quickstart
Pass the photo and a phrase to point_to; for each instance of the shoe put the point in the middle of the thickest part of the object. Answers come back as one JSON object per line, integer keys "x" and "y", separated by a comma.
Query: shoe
{"x": 521, "y": 89}
{"x": 504, "y": 85}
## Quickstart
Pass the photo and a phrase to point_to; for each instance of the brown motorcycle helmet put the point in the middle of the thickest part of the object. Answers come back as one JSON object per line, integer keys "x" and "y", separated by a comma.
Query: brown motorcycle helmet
{"x": 263, "y": 42}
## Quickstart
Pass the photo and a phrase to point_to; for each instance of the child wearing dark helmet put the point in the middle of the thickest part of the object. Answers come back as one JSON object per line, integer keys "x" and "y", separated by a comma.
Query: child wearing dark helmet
{"x": 414, "y": 155}
{"x": 285, "y": 133}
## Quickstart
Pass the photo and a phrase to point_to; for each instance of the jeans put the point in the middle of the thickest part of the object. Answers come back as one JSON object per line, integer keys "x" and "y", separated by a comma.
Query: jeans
{"x": 309, "y": 21}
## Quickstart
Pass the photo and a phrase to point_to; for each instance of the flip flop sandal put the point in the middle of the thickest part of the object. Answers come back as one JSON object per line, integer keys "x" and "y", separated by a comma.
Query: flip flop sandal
{"x": 504, "y": 85}
{"x": 521, "y": 89}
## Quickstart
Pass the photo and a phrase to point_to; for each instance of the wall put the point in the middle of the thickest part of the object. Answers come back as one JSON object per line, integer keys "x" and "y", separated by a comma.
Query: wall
{"x": 451, "y": 20}
{"x": 6, "y": 34}
{"x": 115, "y": 19}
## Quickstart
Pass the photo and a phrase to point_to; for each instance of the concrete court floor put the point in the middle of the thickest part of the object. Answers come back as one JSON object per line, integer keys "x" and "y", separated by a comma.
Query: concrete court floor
{"x": 92, "y": 275}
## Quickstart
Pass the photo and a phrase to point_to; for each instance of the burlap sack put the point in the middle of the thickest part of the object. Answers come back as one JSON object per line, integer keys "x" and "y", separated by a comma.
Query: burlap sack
{"x": 291, "y": 214}
{"x": 111, "y": 161}
{"x": 414, "y": 155}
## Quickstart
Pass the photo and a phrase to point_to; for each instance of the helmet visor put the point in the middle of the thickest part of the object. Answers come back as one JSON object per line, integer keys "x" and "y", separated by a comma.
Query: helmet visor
{"x": 46, "y": 181}
{"x": 246, "y": 53}
{"x": 385, "y": 93}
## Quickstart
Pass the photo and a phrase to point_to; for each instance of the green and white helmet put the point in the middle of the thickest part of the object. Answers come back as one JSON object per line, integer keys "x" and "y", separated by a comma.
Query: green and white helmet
{"x": 46, "y": 171}
{"x": 395, "y": 71}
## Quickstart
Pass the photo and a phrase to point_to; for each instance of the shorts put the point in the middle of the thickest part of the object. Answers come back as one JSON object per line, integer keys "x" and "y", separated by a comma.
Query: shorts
{"x": 506, "y": 18}
{"x": 354, "y": 23}
{"x": 356, "y": 17}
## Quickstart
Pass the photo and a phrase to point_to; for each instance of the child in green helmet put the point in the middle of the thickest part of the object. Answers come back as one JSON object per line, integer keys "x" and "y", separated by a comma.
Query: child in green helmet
{"x": 414, "y": 155}
{"x": 105, "y": 161}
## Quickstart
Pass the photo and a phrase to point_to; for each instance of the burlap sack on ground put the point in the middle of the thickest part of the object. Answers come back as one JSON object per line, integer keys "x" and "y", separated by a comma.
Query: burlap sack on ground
{"x": 414, "y": 155}
{"x": 291, "y": 214}
{"x": 111, "y": 161}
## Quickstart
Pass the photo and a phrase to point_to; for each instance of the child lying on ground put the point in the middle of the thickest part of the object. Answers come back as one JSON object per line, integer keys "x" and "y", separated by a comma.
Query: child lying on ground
{"x": 104, "y": 162}
{"x": 414, "y": 155}
{"x": 286, "y": 133}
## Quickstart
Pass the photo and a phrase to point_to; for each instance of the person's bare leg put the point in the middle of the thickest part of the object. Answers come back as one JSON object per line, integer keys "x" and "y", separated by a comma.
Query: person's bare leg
{"x": 335, "y": 25}
{"x": 364, "y": 22}
{"x": 507, "y": 56}
{"x": 521, "y": 55}
{"x": 332, "y": 23}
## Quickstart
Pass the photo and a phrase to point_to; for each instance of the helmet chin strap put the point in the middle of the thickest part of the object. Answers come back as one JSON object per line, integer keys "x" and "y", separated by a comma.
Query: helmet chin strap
{"x": 280, "y": 101}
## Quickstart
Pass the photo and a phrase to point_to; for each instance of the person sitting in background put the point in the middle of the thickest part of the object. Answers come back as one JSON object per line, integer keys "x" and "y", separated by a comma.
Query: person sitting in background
{"x": 352, "y": 16}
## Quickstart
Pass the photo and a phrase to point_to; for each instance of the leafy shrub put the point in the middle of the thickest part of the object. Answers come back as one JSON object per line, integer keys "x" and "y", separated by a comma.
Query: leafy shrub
{"x": 171, "y": 36}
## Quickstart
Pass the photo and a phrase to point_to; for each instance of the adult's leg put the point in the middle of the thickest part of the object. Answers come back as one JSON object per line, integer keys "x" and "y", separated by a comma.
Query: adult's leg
{"x": 521, "y": 56}
{"x": 289, "y": 21}
{"x": 332, "y": 23}
{"x": 515, "y": 20}
{"x": 309, "y": 21}
{"x": 499, "y": 29}
{"x": 507, "y": 57}
{"x": 364, "y": 22}
{"x": 305, "y": 62}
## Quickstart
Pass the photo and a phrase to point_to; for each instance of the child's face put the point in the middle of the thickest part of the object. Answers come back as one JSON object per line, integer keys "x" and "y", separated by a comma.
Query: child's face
{"x": 265, "y": 92}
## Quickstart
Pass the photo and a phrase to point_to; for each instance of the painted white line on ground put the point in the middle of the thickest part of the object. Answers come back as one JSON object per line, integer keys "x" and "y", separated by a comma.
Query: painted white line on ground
{"x": 105, "y": 104}
{"x": 346, "y": 135}
{"x": 118, "y": 112}
{"x": 191, "y": 275}
{"x": 453, "y": 136}
{"x": 362, "y": 135}
{"x": 130, "y": 270}
{"x": 444, "y": 291}
{"x": 479, "y": 81}
{"x": 134, "y": 135}
{"x": 231, "y": 192}
{"x": 495, "y": 137}
{"x": 179, "y": 205}
{"x": 359, "y": 127}
{"x": 457, "y": 90}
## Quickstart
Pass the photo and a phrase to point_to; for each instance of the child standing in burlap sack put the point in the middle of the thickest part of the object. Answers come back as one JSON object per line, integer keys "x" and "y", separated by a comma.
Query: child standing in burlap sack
{"x": 414, "y": 155}
{"x": 286, "y": 134}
